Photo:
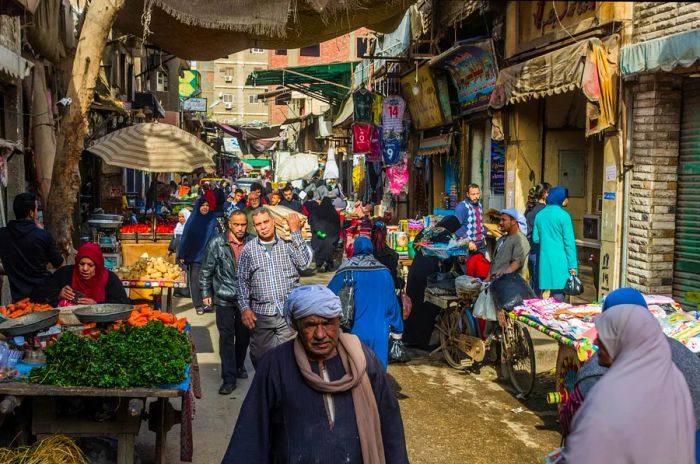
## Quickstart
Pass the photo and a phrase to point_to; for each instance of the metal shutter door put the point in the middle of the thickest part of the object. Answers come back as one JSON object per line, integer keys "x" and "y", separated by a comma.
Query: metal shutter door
{"x": 686, "y": 276}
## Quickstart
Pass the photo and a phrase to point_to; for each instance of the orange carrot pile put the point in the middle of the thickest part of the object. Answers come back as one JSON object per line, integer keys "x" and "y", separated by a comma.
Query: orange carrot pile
{"x": 21, "y": 308}
{"x": 143, "y": 314}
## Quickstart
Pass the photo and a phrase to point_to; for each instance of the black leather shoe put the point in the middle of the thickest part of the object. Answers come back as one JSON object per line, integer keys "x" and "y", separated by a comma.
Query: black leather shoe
{"x": 227, "y": 389}
{"x": 242, "y": 373}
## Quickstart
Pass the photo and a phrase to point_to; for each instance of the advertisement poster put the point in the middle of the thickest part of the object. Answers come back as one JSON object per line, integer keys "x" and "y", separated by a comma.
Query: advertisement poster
{"x": 498, "y": 165}
{"x": 474, "y": 71}
{"x": 422, "y": 99}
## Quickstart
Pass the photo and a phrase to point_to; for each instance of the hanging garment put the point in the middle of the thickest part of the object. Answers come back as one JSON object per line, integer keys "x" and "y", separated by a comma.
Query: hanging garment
{"x": 362, "y": 100}
{"x": 391, "y": 151}
{"x": 373, "y": 182}
{"x": 375, "y": 146}
{"x": 331, "y": 170}
{"x": 398, "y": 176}
{"x": 393, "y": 109}
{"x": 377, "y": 109}
{"x": 361, "y": 137}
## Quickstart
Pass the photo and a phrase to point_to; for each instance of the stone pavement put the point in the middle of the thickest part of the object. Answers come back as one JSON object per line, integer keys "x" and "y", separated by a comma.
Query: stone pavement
{"x": 449, "y": 417}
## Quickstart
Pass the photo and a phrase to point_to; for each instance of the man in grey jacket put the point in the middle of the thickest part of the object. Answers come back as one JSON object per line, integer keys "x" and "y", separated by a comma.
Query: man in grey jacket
{"x": 218, "y": 282}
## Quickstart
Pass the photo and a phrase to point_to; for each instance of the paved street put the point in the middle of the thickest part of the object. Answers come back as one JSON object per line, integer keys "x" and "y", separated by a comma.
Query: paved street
{"x": 449, "y": 417}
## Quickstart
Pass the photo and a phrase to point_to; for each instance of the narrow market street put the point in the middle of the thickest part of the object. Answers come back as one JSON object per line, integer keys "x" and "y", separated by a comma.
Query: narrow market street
{"x": 449, "y": 417}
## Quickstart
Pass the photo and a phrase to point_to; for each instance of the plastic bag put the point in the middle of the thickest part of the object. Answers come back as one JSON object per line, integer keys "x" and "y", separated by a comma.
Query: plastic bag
{"x": 347, "y": 302}
{"x": 573, "y": 286}
{"x": 484, "y": 307}
{"x": 397, "y": 350}
{"x": 509, "y": 291}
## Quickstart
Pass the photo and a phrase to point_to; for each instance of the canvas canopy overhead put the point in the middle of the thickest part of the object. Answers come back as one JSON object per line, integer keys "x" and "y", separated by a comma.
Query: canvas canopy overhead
{"x": 326, "y": 82}
{"x": 663, "y": 54}
{"x": 553, "y": 73}
{"x": 591, "y": 65}
{"x": 209, "y": 29}
{"x": 153, "y": 147}
{"x": 435, "y": 145}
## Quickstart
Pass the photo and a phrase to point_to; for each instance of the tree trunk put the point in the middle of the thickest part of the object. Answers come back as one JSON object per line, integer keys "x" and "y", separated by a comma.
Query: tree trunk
{"x": 65, "y": 184}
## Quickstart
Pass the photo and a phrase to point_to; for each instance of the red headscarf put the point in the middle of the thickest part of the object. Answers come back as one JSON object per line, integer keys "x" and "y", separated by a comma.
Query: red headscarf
{"x": 210, "y": 196}
{"x": 93, "y": 288}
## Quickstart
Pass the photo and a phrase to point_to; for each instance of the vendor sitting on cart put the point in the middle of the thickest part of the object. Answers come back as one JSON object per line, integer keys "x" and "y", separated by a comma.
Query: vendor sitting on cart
{"x": 87, "y": 282}
{"x": 511, "y": 255}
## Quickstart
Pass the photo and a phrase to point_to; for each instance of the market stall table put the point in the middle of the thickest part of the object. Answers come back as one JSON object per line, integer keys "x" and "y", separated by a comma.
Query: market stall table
{"x": 573, "y": 328}
{"x": 167, "y": 285}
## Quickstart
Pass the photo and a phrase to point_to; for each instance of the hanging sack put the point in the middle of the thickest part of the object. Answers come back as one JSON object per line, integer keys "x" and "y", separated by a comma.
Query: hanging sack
{"x": 510, "y": 290}
{"x": 397, "y": 350}
{"x": 484, "y": 307}
{"x": 574, "y": 286}
{"x": 347, "y": 302}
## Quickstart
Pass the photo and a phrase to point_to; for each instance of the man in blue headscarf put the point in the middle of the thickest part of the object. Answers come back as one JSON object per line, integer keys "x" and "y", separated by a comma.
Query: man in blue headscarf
{"x": 324, "y": 385}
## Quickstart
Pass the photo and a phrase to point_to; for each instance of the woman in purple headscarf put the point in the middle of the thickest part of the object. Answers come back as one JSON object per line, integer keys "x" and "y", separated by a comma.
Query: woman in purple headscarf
{"x": 640, "y": 411}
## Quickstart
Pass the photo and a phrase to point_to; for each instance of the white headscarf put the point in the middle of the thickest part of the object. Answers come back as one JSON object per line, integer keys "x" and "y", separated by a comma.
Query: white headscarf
{"x": 312, "y": 300}
{"x": 179, "y": 228}
{"x": 640, "y": 411}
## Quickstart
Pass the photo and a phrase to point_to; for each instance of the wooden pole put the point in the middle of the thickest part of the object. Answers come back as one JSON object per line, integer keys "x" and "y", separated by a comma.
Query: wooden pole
{"x": 65, "y": 184}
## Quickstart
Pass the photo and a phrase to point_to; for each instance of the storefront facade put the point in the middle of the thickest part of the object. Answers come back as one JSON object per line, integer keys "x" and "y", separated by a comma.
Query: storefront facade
{"x": 662, "y": 84}
{"x": 557, "y": 104}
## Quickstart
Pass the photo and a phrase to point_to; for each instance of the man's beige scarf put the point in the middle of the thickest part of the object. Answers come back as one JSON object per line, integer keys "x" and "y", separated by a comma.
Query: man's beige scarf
{"x": 356, "y": 380}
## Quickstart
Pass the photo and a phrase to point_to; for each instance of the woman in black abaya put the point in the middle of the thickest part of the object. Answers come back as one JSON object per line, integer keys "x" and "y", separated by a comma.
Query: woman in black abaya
{"x": 421, "y": 322}
{"x": 325, "y": 231}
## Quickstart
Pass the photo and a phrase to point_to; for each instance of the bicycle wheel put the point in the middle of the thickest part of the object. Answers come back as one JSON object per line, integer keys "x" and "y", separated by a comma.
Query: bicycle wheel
{"x": 455, "y": 324}
{"x": 519, "y": 356}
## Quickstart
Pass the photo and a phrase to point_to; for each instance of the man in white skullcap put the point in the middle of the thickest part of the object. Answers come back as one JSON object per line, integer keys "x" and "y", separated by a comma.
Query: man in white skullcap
{"x": 321, "y": 397}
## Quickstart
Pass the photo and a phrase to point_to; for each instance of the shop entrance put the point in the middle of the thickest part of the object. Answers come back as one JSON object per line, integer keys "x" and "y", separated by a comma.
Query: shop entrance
{"x": 576, "y": 162}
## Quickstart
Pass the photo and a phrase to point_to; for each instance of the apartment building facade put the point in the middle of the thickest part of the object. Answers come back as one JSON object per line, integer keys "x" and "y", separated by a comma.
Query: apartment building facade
{"x": 229, "y": 100}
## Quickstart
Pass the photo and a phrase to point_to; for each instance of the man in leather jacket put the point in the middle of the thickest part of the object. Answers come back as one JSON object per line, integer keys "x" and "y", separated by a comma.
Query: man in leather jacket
{"x": 218, "y": 283}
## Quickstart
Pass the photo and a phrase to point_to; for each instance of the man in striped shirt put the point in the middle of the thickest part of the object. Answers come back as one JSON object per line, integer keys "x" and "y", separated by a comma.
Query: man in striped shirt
{"x": 267, "y": 273}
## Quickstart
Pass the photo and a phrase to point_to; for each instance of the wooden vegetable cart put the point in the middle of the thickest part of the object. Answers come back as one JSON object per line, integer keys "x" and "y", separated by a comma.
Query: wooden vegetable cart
{"x": 133, "y": 406}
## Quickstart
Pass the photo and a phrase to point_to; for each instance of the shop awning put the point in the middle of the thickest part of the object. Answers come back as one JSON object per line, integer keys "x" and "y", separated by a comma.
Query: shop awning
{"x": 205, "y": 30}
{"x": 665, "y": 53}
{"x": 153, "y": 147}
{"x": 13, "y": 64}
{"x": 435, "y": 145}
{"x": 557, "y": 72}
{"x": 257, "y": 162}
{"x": 329, "y": 83}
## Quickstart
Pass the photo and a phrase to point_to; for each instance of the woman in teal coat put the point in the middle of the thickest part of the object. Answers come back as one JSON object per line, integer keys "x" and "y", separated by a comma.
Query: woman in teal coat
{"x": 554, "y": 232}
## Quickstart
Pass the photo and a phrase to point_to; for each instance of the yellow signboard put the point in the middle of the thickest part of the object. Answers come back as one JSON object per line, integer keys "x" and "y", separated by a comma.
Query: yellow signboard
{"x": 422, "y": 99}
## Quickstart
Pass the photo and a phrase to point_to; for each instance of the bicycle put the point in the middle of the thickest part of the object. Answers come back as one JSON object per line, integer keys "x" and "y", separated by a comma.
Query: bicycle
{"x": 463, "y": 347}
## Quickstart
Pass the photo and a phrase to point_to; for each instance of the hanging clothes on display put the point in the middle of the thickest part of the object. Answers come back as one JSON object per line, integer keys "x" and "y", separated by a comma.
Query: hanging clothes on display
{"x": 393, "y": 109}
{"x": 375, "y": 146}
{"x": 377, "y": 109}
{"x": 331, "y": 170}
{"x": 358, "y": 173}
{"x": 373, "y": 182}
{"x": 361, "y": 137}
{"x": 362, "y": 100}
{"x": 391, "y": 150}
{"x": 398, "y": 176}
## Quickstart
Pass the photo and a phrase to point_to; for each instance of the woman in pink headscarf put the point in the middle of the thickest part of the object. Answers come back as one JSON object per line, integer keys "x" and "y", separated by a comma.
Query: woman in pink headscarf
{"x": 640, "y": 411}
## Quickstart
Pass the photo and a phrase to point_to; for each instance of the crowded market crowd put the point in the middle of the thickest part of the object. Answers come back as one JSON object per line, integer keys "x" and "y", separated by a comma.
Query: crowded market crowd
{"x": 309, "y": 372}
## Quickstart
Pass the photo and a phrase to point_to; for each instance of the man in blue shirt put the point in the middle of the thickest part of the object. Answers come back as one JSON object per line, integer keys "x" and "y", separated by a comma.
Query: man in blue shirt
{"x": 470, "y": 213}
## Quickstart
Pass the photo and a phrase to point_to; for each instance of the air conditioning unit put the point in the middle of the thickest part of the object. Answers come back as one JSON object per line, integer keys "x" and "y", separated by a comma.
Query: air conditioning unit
{"x": 221, "y": 95}
{"x": 228, "y": 78}
{"x": 228, "y": 106}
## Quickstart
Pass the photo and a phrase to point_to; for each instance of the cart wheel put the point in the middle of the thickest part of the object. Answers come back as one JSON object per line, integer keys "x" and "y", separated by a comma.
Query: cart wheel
{"x": 519, "y": 356}
{"x": 455, "y": 323}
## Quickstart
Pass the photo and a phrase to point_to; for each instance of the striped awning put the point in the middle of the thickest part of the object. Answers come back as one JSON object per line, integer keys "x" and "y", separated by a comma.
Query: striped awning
{"x": 435, "y": 145}
{"x": 154, "y": 147}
